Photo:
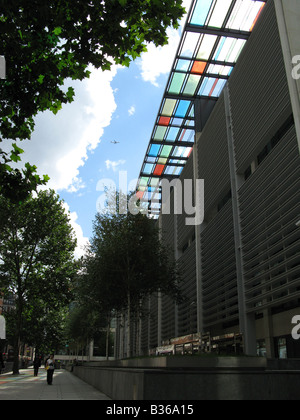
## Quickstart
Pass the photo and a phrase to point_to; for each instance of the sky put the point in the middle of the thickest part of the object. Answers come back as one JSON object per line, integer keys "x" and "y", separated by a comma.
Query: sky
{"x": 74, "y": 147}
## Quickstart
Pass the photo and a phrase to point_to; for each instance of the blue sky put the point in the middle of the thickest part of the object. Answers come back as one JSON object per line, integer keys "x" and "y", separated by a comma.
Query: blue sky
{"x": 74, "y": 147}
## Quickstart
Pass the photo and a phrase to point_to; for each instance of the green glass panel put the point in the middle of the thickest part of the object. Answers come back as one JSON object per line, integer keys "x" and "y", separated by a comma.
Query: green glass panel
{"x": 166, "y": 151}
{"x": 177, "y": 82}
{"x": 192, "y": 84}
{"x": 160, "y": 133}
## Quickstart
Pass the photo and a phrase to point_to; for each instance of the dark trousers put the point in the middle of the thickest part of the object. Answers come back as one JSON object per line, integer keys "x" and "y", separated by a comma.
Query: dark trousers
{"x": 50, "y": 376}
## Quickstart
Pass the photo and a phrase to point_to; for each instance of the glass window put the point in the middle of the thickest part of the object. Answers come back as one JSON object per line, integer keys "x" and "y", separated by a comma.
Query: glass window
{"x": 169, "y": 107}
{"x": 159, "y": 169}
{"x": 166, "y": 151}
{"x": 192, "y": 84}
{"x": 154, "y": 150}
{"x": 160, "y": 133}
{"x": 201, "y": 11}
{"x": 206, "y": 46}
{"x": 183, "y": 65}
{"x": 172, "y": 135}
{"x": 198, "y": 67}
{"x": 176, "y": 84}
{"x": 219, "y": 13}
{"x": 182, "y": 109}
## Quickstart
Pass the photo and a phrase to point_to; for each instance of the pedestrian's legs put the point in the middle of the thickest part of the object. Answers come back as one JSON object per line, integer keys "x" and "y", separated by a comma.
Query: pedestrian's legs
{"x": 50, "y": 376}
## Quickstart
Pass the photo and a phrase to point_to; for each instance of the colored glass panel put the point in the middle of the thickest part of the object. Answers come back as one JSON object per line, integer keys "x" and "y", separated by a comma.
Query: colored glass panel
{"x": 166, "y": 151}
{"x": 159, "y": 170}
{"x": 220, "y": 11}
{"x": 229, "y": 49}
{"x": 164, "y": 121}
{"x": 169, "y": 107}
{"x": 177, "y": 81}
{"x": 206, "y": 86}
{"x": 162, "y": 161}
{"x": 183, "y": 65}
{"x": 191, "y": 85}
{"x": 198, "y": 67}
{"x": 140, "y": 195}
{"x": 245, "y": 15}
{"x": 217, "y": 69}
{"x": 187, "y": 135}
{"x": 144, "y": 181}
{"x": 172, "y": 135}
{"x": 206, "y": 46}
{"x": 160, "y": 133}
{"x": 182, "y": 109}
{"x": 154, "y": 150}
{"x": 148, "y": 169}
{"x": 189, "y": 45}
{"x": 218, "y": 88}
{"x": 200, "y": 12}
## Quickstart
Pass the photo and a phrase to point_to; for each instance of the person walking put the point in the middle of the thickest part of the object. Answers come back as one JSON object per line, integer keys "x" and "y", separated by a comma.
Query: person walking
{"x": 50, "y": 369}
{"x": 36, "y": 365}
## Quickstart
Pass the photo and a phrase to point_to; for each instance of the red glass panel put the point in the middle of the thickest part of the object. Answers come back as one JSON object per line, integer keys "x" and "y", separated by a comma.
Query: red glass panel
{"x": 159, "y": 170}
{"x": 165, "y": 121}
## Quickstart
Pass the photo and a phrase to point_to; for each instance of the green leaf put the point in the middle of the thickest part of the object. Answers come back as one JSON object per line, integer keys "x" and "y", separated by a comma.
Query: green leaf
{"x": 57, "y": 31}
{"x": 41, "y": 79}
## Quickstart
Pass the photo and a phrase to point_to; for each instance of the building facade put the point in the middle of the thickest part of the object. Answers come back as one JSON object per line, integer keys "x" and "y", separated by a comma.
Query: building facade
{"x": 241, "y": 266}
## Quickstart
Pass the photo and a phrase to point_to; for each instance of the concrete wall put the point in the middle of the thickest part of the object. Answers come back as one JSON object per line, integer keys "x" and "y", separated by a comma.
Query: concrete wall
{"x": 221, "y": 379}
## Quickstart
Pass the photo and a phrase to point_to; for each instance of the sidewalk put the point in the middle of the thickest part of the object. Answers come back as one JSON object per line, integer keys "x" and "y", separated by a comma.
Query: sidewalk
{"x": 65, "y": 387}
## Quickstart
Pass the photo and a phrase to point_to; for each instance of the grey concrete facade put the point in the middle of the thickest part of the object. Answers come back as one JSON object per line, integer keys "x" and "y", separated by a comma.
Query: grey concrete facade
{"x": 242, "y": 265}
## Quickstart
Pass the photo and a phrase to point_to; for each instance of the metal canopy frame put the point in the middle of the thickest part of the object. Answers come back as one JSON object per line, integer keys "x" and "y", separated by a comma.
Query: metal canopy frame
{"x": 214, "y": 35}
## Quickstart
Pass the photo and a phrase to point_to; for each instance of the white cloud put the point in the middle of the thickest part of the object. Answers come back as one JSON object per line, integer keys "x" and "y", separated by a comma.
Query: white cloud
{"x": 131, "y": 111}
{"x": 82, "y": 242}
{"x": 60, "y": 143}
{"x": 114, "y": 165}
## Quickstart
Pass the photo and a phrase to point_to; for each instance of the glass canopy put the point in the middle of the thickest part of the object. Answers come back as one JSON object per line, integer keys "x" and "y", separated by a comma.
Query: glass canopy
{"x": 215, "y": 33}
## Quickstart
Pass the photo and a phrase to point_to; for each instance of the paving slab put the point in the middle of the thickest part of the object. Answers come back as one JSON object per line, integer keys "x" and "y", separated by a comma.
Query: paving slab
{"x": 65, "y": 386}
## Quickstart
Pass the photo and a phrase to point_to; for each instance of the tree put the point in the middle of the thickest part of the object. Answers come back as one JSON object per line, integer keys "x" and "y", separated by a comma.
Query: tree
{"x": 36, "y": 258}
{"x": 47, "y": 41}
{"x": 17, "y": 185}
{"x": 129, "y": 264}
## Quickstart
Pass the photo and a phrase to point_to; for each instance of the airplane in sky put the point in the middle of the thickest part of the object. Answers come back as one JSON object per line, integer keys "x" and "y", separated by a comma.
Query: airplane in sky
{"x": 115, "y": 142}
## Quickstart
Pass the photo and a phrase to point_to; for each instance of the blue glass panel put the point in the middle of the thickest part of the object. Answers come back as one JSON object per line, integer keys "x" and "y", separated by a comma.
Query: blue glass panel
{"x": 154, "y": 150}
{"x": 148, "y": 169}
{"x": 183, "y": 65}
{"x": 207, "y": 86}
{"x": 219, "y": 87}
{"x": 173, "y": 134}
{"x": 182, "y": 109}
{"x": 201, "y": 12}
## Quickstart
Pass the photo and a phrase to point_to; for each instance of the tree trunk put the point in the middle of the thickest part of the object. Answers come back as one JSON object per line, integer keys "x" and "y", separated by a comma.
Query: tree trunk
{"x": 17, "y": 340}
{"x": 128, "y": 325}
{"x": 107, "y": 338}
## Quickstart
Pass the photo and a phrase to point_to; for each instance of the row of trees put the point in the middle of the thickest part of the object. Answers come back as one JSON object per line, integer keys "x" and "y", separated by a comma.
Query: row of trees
{"x": 44, "y": 44}
{"x": 125, "y": 263}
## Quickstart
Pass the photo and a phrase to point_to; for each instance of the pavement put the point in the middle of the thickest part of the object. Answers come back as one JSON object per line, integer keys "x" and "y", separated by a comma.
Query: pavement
{"x": 66, "y": 386}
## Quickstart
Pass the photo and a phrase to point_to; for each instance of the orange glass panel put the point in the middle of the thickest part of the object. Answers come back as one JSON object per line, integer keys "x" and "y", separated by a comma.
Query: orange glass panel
{"x": 198, "y": 67}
